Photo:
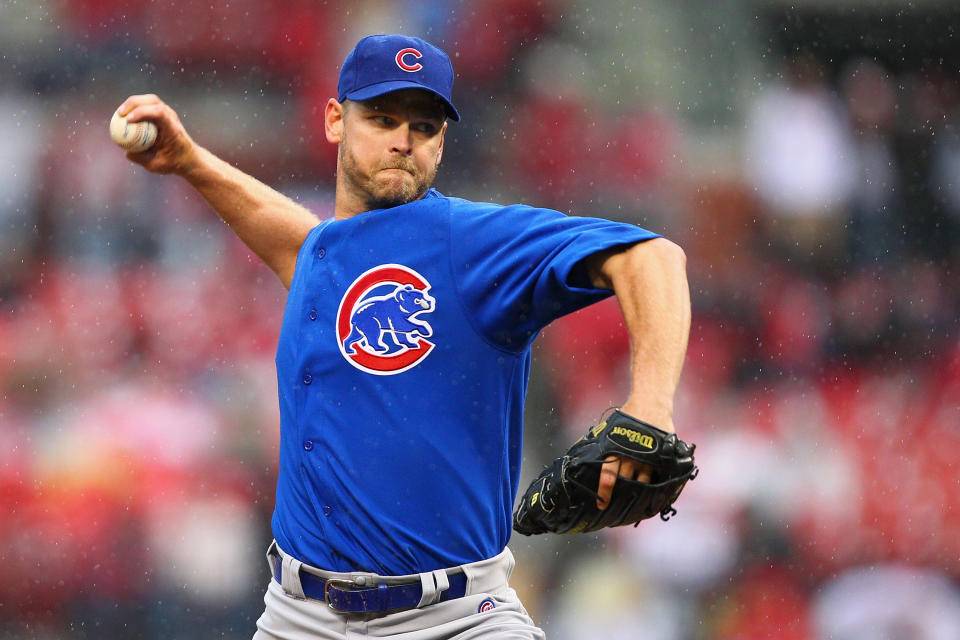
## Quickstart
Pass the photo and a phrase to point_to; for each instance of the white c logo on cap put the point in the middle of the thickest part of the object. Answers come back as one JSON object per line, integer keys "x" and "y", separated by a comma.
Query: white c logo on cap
{"x": 409, "y": 52}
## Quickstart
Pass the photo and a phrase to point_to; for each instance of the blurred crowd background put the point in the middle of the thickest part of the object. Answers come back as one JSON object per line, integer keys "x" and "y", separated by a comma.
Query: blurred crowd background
{"x": 805, "y": 155}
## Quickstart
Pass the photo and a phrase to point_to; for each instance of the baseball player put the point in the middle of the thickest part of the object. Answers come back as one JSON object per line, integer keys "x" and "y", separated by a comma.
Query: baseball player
{"x": 404, "y": 354}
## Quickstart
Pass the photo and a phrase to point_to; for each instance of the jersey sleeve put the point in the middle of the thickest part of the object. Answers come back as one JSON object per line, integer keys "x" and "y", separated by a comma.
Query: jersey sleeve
{"x": 518, "y": 268}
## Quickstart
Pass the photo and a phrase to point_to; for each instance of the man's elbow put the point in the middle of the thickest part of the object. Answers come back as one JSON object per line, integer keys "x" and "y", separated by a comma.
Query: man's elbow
{"x": 663, "y": 252}
{"x": 644, "y": 259}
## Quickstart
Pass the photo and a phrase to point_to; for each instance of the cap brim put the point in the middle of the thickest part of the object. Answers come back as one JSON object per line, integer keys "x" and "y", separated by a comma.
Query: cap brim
{"x": 381, "y": 88}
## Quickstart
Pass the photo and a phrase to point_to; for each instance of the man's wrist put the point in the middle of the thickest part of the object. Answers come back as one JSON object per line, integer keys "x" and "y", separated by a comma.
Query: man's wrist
{"x": 196, "y": 165}
{"x": 659, "y": 416}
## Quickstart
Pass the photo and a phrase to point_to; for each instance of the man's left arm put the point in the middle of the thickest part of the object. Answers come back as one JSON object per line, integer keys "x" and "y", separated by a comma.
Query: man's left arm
{"x": 650, "y": 282}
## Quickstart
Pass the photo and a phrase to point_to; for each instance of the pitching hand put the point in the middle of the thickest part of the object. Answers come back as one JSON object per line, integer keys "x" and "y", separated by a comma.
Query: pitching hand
{"x": 174, "y": 151}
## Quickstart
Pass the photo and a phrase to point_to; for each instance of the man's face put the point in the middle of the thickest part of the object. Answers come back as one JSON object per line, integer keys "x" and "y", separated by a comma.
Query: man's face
{"x": 391, "y": 147}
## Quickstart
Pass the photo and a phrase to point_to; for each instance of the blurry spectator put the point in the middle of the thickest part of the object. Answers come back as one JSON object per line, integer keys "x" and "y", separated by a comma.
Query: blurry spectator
{"x": 797, "y": 325}
{"x": 21, "y": 130}
{"x": 639, "y": 176}
{"x": 554, "y": 145}
{"x": 862, "y": 317}
{"x": 607, "y": 599}
{"x": 103, "y": 212}
{"x": 217, "y": 33}
{"x": 101, "y": 23}
{"x": 925, "y": 308}
{"x": 490, "y": 33}
{"x": 929, "y": 99}
{"x": 801, "y": 161}
{"x": 945, "y": 170}
{"x": 767, "y": 602}
{"x": 947, "y": 164}
{"x": 700, "y": 548}
{"x": 199, "y": 527}
{"x": 890, "y": 602}
{"x": 871, "y": 101}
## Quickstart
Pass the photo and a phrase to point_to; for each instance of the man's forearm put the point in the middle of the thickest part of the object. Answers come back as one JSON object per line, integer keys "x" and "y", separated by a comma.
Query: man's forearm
{"x": 270, "y": 223}
{"x": 649, "y": 280}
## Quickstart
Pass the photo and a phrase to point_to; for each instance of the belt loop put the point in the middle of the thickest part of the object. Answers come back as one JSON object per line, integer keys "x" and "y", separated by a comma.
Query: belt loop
{"x": 272, "y": 554}
{"x": 429, "y": 588}
{"x": 433, "y": 585}
{"x": 290, "y": 575}
{"x": 442, "y": 580}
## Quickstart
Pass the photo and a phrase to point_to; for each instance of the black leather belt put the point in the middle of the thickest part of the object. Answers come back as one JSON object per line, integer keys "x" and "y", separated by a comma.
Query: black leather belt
{"x": 346, "y": 596}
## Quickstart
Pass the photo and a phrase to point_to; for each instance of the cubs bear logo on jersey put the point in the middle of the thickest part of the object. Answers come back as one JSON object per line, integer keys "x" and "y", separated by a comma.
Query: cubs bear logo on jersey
{"x": 379, "y": 328}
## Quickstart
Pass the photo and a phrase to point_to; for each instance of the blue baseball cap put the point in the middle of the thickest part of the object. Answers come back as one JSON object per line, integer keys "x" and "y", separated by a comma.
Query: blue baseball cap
{"x": 385, "y": 63}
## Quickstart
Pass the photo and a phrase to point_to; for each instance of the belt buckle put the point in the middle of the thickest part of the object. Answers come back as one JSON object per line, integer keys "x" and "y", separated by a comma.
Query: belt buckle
{"x": 336, "y": 582}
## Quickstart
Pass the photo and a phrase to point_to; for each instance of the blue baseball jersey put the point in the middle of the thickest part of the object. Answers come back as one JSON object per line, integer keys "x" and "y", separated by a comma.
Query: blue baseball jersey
{"x": 402, "y": 368}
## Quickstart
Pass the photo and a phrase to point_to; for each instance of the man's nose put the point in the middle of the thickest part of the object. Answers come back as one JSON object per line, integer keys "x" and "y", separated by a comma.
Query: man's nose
{"x": 401, "y": 141}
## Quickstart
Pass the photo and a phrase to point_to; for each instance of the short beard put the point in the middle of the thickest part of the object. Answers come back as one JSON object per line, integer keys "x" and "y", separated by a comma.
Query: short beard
{"x": 378, "y": 196}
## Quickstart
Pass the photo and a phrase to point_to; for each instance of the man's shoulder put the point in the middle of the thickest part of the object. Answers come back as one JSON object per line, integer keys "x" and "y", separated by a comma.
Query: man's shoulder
{"x": 464, "y": 207}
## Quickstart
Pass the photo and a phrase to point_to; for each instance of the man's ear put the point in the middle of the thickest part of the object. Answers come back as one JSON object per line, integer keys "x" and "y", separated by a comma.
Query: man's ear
{"x": 333, "y": 121}
{"x": 443, "y": 130}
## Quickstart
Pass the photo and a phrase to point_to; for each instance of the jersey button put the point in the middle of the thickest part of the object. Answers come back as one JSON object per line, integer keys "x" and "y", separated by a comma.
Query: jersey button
{"x": 313, "y": 314}
{"x": 307, "y": 378}
{"x": 327, "y": 510}
{"x": 322, "y": 252}
{"x": 308, "y": 445}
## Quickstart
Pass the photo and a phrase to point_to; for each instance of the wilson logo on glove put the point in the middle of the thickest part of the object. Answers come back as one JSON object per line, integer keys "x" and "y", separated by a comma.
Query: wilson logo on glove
{"x": 644, "y": 441}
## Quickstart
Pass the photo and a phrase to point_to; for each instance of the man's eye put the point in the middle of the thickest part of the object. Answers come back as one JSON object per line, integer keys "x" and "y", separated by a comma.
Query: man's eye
{"x": 385, "y": 120}
{"x": 425, "y": 127}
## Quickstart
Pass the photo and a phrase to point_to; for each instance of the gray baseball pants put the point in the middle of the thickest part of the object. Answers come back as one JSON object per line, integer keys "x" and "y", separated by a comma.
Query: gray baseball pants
{"x": 290, "y": 616}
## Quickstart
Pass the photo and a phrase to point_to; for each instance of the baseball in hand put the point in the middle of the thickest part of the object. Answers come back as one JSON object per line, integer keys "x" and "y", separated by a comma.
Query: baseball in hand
{"x": 132, "y": 136}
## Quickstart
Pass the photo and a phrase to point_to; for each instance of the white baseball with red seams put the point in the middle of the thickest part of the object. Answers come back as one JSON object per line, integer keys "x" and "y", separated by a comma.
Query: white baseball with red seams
{"x": 132, "y": 136}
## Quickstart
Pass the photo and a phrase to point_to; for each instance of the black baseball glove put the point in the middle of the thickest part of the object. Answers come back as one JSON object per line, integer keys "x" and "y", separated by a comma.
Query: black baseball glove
{"x": 563, "y": 499}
